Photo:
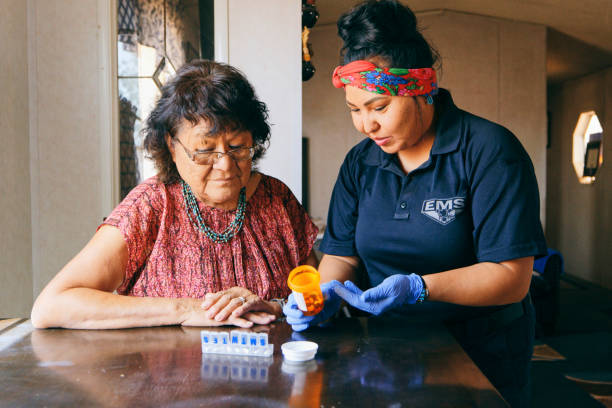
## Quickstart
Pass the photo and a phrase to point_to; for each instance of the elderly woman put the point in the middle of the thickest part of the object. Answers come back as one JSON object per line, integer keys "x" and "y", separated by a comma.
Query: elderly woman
{"x": 208, "y": 241}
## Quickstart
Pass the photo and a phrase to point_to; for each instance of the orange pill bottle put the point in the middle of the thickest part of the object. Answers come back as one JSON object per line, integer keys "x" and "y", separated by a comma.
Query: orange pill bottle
{"x": 304, "y": 282}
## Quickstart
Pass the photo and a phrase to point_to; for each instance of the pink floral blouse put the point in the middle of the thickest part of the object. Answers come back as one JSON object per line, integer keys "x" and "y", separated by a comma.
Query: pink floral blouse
{"x": 170, "y": 257}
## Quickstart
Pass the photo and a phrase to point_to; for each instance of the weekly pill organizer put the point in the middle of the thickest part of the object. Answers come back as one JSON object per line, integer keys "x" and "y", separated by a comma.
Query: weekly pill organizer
{"x": 236, "y": 343}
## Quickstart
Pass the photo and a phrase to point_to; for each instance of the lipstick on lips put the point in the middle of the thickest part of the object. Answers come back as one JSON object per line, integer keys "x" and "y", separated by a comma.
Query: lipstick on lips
{"x": 382, "y": 141}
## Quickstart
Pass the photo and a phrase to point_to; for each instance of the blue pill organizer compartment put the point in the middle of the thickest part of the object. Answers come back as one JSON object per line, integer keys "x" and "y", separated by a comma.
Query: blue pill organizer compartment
{"x": 236, "y": 342}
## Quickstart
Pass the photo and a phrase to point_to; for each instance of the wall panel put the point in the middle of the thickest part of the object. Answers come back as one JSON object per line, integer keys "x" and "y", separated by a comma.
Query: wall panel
{"x": 15, "y": 222}
{"x": 271, "y": 61}
{"x": 581, "y": 215}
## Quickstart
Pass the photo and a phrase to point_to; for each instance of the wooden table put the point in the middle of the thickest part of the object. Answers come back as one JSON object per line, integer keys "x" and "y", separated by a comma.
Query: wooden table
{"x": 360, "y": 363}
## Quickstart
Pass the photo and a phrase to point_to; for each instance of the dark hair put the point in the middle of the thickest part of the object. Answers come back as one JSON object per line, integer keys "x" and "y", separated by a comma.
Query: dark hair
{"x": 385, "y": 29}
{"x": 204, "y": 90}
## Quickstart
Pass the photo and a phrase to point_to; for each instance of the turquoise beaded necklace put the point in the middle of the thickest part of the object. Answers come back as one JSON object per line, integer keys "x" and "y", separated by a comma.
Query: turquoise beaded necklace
{"x": 191, "y": 206}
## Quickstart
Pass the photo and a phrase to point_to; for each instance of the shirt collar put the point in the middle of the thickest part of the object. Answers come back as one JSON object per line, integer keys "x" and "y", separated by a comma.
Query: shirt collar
{"x": 448, "y": 128}
{"x": 448, "y": 136}
{"x": 374, "y": 156}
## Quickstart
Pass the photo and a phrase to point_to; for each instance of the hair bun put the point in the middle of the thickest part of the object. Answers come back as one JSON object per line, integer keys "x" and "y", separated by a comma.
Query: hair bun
{"x": 378, "y": 22}
{"x": 384, "y": 28}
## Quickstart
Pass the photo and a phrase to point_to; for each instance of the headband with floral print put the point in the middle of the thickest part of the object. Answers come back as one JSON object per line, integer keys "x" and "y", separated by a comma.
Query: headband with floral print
{"x": 389, "y": 81}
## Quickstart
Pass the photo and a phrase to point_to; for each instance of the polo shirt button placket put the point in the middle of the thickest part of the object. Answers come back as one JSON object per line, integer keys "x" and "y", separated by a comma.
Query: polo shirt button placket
{"x": 402, "y": 211}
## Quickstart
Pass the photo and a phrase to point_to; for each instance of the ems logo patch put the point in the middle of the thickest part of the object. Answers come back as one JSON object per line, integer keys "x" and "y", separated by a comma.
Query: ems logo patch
{"x": 443, "y": 210}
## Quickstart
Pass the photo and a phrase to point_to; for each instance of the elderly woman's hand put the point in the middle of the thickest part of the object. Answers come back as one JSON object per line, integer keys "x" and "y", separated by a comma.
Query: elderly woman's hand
{"x": 239, "y": 302}
{"x": 193, "y": 315}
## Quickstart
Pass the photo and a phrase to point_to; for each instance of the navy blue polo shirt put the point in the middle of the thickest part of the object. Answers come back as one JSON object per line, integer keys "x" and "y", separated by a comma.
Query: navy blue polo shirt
{"x": 474, "y": 200}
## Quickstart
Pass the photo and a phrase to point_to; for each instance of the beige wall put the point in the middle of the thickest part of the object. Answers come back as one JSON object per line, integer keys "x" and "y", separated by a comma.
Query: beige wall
{"x": 494, "y": 68}
{"x": 325, "y": 121}
{"x": 269, "y": 55}
{"x": 15, "y": 246}
{"x": 56, "y": 165}
{"x": 580, "y": 216}
{"x": 65, "y": 118}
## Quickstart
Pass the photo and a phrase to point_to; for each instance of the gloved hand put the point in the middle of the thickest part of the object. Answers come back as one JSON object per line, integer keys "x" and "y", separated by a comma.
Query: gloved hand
{"x": 296, "y": 318}
{"x": 394, "y": 291}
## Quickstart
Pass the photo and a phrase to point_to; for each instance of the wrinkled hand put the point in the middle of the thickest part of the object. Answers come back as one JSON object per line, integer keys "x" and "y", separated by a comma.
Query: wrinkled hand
{"x": 222, "y": 305}
{"x": 394, "y": 291}
{"x": 299, "y": 322}
{"x": 194, "y": 315}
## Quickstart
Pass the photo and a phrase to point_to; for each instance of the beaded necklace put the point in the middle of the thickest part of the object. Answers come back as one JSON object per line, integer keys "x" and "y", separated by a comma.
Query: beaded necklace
{"x": 216, "y": 237}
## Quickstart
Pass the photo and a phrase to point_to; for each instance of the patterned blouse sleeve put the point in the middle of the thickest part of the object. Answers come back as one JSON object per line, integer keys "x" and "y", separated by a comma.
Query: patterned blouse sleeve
{"x": 137, "y": 218}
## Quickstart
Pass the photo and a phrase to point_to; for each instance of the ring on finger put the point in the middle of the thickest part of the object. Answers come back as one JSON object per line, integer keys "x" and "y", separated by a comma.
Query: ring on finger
{"x": 242, "y": 299}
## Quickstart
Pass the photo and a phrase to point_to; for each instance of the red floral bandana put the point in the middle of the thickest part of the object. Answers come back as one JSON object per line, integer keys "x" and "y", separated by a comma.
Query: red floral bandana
{"x": 389, "y": 81}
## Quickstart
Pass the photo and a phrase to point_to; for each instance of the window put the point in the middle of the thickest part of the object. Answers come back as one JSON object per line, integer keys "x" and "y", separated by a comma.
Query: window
{"x": 154, "y": 38}
{"x": 587, "y": 154}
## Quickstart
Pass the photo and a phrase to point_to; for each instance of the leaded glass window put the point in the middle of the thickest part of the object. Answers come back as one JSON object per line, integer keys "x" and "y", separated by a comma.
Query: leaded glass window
{"x": 154, "y": 38}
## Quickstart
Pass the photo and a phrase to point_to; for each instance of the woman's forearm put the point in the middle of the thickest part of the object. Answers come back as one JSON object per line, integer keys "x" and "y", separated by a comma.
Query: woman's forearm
{"x": 84, "y": 308}
{"x": 340, "y": 268}
{"x": 482, "y": 284}
{"x": 81, "y": 295}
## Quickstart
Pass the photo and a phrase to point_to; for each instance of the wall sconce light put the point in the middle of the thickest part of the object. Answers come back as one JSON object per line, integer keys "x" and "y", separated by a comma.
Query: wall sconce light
{"x": 587, "y": 152}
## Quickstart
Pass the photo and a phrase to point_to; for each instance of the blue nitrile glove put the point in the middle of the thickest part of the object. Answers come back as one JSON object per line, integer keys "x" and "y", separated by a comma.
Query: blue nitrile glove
{"x": 394, "y": 291}
{"x": 296, "y": 318}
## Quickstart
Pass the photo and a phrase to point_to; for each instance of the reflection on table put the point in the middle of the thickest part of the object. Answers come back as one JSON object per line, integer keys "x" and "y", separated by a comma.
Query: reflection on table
{"x": 360, "y": 362}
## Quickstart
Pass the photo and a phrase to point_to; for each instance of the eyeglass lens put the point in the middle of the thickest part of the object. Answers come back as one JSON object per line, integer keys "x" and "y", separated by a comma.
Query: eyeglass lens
{"x": 240, "y": 154}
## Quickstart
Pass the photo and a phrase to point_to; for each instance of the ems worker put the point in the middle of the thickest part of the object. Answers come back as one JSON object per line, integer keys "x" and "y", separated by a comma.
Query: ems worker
{"x": 436, "y": 212}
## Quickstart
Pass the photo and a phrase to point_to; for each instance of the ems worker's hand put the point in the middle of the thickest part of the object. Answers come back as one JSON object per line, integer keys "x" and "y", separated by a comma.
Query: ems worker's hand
{"x": 394, "y": 291}
{"x": 299, "y": 322}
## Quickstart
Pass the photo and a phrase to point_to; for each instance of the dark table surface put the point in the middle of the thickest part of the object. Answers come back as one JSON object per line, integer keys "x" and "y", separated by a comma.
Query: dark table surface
{"x": 360, "y": 363}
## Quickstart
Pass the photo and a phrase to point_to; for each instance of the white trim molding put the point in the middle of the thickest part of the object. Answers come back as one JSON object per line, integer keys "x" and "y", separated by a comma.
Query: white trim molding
{"x": 109, "y": 111}
{"x": 221, "y": 31}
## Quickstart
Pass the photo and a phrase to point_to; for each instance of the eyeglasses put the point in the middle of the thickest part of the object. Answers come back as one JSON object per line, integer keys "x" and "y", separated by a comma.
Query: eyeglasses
{"x": 203, "y": 158}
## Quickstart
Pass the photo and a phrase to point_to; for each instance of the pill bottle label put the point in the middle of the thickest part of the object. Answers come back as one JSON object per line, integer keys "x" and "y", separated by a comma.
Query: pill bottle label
{"x": 299, "y": 299}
